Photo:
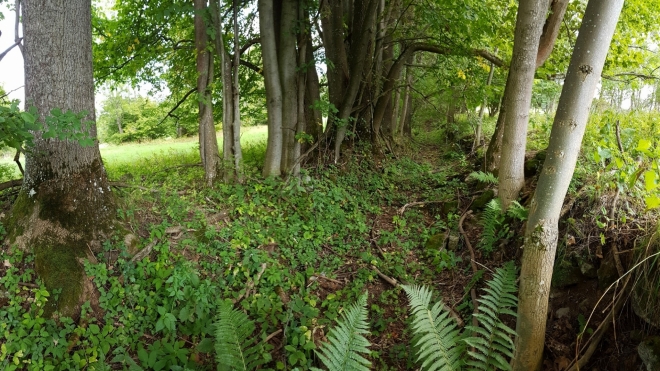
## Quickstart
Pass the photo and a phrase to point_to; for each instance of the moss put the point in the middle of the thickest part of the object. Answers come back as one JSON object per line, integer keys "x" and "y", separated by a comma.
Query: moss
{"x": 58, "y": 264}
{"x": 15, "y": 221}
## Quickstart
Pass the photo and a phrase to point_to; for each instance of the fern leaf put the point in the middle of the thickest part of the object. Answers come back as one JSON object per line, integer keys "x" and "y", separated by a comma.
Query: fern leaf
{"x": 347, "y": 343}
{"x": 483, "y": 177}
{"x": 438, "y": 336}
{"x": 491, "y": 221}
{"x": 234, "y": 345}
{"x": 491, "y": 342}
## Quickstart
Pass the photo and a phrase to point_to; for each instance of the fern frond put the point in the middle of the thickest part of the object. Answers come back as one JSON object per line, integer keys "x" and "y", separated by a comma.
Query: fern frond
{"x": 518, "y": 211}
{"x": 347, "y": 341}
{"x": 483, "y": 177}
{"x": 491, "y": 220}
{"x": 438, "y": 334}
{"x": 234, "y": 345}
{"x": 492, "y": 340}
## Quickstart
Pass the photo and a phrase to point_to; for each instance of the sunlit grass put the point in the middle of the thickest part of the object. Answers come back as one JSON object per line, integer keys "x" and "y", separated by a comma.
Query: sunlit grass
{"x": 116, "y": 156}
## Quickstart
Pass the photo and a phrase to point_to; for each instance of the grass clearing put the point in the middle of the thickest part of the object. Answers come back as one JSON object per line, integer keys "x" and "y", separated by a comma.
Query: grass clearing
{"x": 128, "y": 153}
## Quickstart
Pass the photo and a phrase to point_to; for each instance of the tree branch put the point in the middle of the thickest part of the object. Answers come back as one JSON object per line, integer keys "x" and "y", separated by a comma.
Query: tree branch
{"x": 177, "y": 105}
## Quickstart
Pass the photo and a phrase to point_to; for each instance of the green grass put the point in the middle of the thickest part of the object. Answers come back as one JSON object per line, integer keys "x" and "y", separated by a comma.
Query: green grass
{"x": 116, "y": 155}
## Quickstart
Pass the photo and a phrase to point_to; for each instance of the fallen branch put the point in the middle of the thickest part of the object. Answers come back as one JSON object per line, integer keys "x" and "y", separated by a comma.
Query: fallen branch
{"x": 250, "y": 284}
{"x": 11, "y": 184}
{"x": 393, "y": 282}
{"x": 126, "y": 185}
{"x": 144, "y": 252}
{"x": 421, "y": 203}
{"x": 473, "y": 291}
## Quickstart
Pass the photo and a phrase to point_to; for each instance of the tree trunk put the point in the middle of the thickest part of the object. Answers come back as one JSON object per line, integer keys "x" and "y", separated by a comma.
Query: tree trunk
{"x": 541, "y": 233}
{"x": 236, "y": 124}
{"x": 65, "y": 207}
{"x": 529, "y": 25}
{"x": 546, "y": 44}
{"x": 208, "y": 143}
{"x": 273, "y": 89}
{"x": 286, "y": 54}
{"x": 482, "y": 109}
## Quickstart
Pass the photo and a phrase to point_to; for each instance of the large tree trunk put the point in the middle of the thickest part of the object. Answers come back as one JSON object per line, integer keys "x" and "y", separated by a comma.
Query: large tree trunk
{"x": 529, "y": 25}
{"x": 273, "y": 89}
{"x": 65, "y": 207}
{"x": 541, "y": 233}
{"x": 208, "y": 143}
{"x": 236, "y": 149}
{"x": 546, "y": 44}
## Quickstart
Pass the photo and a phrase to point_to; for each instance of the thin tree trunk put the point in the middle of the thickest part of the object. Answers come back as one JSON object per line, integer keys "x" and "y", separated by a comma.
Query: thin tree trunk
{"x": 478, "y": 134}
{"x": 273, "y": 159}
{"x": 236, "y": 125}
{"x": 541, "y": 233}
{"x": 546, "y": 45}
{"x": 65, "y": 207}
{"x": 529, "y": 25}
{"x": 208, "y": 143}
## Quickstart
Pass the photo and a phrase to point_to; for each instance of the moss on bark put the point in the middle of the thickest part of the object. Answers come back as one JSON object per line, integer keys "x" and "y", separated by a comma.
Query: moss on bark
{"x": 63, "y": 221}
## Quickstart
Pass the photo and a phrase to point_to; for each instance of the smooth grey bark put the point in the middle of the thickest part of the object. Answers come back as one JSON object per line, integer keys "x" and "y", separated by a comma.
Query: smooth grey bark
{"x": 286, "y": 54}
{"x": 65, "y": 207}
{"x": 208, "y": 143}
{"x": 273, "y": 160}
{"x": 546, "y": 45}
{"x": 529, "y": 26}
{"x": 541, "y": 233}
{"x": 236, "y": 124}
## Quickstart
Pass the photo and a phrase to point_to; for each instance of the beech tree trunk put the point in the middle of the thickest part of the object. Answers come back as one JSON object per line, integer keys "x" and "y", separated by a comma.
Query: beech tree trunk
{"x": 541, "y": 233}
{"x": 546, "y": 44}
{"x": 65, "y": 207}
{"x": 529, "y": 25}
{"x": 273, "y": 160}
{"x": 208, "y": 143}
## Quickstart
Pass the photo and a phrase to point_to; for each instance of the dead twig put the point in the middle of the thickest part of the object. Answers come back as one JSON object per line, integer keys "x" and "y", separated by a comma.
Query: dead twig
{"x": 473, "y": 291}
{"x": 144, "y": 252}
{"x": 251, "y": 283}
{"x": 393, "y": 282}
{"x": 421, "y": 203}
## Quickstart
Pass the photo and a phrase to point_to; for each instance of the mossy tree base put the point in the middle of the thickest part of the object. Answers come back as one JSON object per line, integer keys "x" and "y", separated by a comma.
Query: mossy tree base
{"x": 64, "y": 224}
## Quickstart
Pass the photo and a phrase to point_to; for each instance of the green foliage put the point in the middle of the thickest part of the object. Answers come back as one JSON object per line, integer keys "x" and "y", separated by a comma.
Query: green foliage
{"x": 17, "y": 127}
{"x": 234, "y": 345}
{"x": 484, "y": 177}
{"x": 495, "y": 223}
{"x": 441, "y": 344}
{"x": 438, "y": 335}
{"x": 492, "y": 342}
{"x": 347, "y": 341}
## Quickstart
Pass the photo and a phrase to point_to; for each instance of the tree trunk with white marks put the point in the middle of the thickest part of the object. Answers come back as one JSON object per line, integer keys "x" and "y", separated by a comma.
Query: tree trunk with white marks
{"x": 541, "y": 233}
{"x": 529, "y": 25}
{"x": 65, "y": 208}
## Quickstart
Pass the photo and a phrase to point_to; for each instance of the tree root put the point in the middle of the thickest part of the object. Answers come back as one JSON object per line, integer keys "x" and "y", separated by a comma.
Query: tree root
{"x": 473, "y": 291}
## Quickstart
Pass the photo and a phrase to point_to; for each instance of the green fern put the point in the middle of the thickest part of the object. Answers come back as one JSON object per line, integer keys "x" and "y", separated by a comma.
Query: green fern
{"x": 234, "y": 345}
{"x": 493, "y": 225}
{"x": 492, "y": 341}
{"x": 518, "y": 211}
{"x": 438, "y": 335}
{"x": 483, "y": 177}
{"x": 347, "y": 341}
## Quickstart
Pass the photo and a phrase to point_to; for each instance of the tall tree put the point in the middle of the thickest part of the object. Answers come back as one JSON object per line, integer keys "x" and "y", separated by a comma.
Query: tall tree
{"x": 65, "y": 207}
{"x": 541, "y": 233}
{"x": 546, "y": 45}
{"x": 529, "y": 26}
{"x": 208, "y": 142}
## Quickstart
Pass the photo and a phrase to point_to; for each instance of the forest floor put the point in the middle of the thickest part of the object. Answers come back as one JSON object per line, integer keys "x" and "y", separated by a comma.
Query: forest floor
{"x": 293, "y": 255}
